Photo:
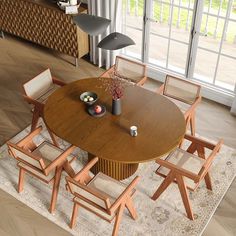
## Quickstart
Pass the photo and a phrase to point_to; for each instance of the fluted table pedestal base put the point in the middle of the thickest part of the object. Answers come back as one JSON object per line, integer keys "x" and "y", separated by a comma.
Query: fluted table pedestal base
{"x": 114, "y": 169}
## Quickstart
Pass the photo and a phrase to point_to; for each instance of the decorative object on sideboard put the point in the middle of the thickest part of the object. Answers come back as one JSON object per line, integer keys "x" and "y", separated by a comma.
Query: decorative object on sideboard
{"x": 47, "y": 20}
{"x": 69, "y": 6}
{"x": 115, "y": 40}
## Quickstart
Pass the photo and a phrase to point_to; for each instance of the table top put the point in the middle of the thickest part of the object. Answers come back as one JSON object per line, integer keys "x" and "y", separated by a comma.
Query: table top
{"x": 161, "y": 124}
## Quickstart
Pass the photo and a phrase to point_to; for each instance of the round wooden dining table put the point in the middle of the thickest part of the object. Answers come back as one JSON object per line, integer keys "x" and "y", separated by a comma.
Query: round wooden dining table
{"x": 161, "y": 125}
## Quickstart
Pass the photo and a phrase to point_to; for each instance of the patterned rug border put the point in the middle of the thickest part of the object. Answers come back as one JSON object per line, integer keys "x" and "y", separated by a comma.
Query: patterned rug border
{"x": 64, "y": 224}
{"x": 215, "y": 208}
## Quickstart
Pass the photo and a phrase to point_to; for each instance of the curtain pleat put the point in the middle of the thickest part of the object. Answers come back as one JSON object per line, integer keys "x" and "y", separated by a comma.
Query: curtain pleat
{"x": 104, "y": 8}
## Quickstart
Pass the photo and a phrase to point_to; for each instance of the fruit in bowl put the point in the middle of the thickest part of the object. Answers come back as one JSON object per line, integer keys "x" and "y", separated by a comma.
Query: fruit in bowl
{"x": 89, "y": 98}
{"x": 97, "y": 109}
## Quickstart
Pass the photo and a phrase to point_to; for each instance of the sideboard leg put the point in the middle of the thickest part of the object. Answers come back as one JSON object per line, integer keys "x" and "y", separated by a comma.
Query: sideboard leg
{"x": 76, "y": 62}
{"x": 2, "y": 34}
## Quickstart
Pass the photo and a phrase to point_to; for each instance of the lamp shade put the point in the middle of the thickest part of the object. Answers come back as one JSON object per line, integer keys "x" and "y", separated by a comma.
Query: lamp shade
{"x": 115, "y": 41}
{"x": 93, "y": 25}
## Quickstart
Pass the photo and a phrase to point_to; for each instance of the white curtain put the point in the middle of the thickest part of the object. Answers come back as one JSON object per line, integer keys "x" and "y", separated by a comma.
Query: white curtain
{"x": 233, "y": 108}
{"x": 107, "y": 9}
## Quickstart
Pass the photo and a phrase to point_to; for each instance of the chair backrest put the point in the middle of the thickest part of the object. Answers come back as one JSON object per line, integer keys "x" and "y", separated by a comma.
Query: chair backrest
{"x": 39, "y": 84}
{"x": 25, "y": 156}
{"x": 88, "y": 194}
{"x": 181, "y": 90}
{"x": 131, "y": 70}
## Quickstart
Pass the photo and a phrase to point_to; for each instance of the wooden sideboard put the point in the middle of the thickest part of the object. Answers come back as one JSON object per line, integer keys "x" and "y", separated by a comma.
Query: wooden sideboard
{"x": 42, "y": 22}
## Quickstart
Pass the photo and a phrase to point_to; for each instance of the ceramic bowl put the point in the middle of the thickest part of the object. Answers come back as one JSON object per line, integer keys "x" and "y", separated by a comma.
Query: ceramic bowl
{"x": 89, "y": 95}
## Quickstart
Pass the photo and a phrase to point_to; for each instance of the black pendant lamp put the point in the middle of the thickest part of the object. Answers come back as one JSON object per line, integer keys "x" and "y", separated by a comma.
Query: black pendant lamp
{"x": 93, "y": 25}
{"x": 115, "y": 40}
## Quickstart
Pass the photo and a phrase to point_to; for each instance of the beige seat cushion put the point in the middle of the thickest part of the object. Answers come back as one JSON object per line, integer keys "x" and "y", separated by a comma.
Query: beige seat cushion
{"x": 42, "y": 98}
{"x": 103, "y": 185}
{"x": 38, "y": 173}
{"x": 186, "y": 161}
{"x": 181, "y": 105}
{"x": 49, "y": 152}
{"x": 108, "y": 186}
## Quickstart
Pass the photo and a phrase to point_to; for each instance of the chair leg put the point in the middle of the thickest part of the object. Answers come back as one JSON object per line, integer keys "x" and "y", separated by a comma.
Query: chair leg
{"x": 53, "y": 136}
{"x": 68, "y": 169}
{"x": 184, "y": 195}
{"x": 35, "y": 119}
{"x": 54, "y": 139}
{"x": 208, "y": 181}
{"x": 130, "y": 207}
{"x": 118, "y": 220}
{"x": 21, "y": 180}
{"x": 192, "y": 124}
{"x": 167, "y": 181}
{"x": 74, "y": 215}
{"x": 55, "y": 190}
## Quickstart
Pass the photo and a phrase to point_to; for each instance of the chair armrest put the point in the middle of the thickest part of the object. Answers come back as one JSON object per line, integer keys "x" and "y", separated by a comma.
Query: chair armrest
{"x": 125, "y": 194}
{"x": 58, "y": 82}
{"x": 203, "y": 171}
{"x": 59, "y": 161}
{"x": 160, "y": 90}
{"x": 142, "y": 81}
{"x": 86, "y": 169}
{"x": 29, "y": 137}
{"x": 106, "y": 74}
{"x": 200, "y": 142}
{"x": 178, "y": 169}
{"x": 32, "y": 101}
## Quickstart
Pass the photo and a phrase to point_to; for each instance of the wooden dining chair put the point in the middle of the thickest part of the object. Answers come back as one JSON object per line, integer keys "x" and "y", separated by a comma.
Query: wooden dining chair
{"x": 101, "y": 195}
{"x": 37, "y": 90}
{"x": 128, "y": 69}
{"x": 187, "y": 169}
{"x": 44, "y": 161}
{"x": 185, "y": 94}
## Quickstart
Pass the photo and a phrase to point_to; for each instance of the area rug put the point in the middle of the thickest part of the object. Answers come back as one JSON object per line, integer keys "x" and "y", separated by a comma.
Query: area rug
{"x": 165, "y": 216}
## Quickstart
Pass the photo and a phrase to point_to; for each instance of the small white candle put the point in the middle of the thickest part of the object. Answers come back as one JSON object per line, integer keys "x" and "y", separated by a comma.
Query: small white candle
{"x": 134, "y": 131}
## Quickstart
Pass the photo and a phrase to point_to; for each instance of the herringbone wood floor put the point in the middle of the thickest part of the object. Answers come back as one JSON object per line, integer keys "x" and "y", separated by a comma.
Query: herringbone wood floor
{"x": 19, "y": 62}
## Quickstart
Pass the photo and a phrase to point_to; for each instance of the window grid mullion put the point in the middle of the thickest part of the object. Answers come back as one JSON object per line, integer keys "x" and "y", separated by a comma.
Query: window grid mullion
{"x": 170, "y": 28}
{"x": 222, "y": 38}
